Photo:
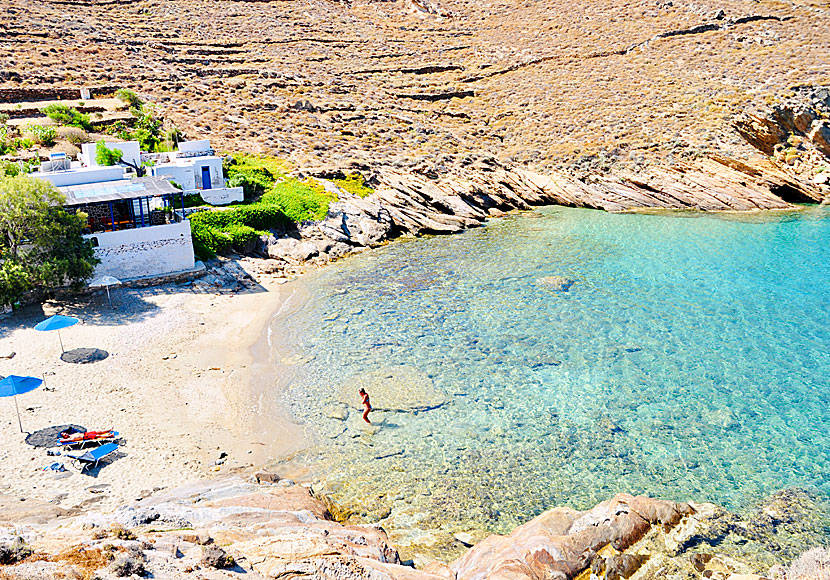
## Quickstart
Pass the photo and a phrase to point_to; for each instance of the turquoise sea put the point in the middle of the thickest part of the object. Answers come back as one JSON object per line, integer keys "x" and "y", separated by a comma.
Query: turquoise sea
{"x": 690, "y": 359}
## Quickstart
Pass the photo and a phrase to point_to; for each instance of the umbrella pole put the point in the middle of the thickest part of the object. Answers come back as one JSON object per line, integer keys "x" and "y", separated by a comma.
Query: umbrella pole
{"x": 16, "y": 408}
{"x": 108, "y": 296}
{"x": 61, "y": 341}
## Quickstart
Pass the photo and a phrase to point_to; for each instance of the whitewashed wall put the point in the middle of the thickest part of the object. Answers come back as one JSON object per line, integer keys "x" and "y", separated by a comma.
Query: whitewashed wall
{"x": 84, "y": 176}
{"x": 151, "y": 251}
{"x": 181, "y": 174}
{"x": 131, "y": 152}
{"x": 222, "y": 195}
{"x": 188, "y": 173}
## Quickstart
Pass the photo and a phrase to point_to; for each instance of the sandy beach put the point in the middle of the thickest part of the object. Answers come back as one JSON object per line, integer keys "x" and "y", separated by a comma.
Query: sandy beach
{"x": 179, "y": 383}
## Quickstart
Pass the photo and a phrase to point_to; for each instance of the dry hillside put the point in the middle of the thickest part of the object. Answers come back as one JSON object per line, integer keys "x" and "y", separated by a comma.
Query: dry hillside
{"x": 425, "y": 83}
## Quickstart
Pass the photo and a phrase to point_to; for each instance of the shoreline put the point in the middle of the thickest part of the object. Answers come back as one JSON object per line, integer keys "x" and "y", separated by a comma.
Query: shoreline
{"x": 179, "y": 382}
{"x": 257, "y": 431}
{"x": 225, "y": 340}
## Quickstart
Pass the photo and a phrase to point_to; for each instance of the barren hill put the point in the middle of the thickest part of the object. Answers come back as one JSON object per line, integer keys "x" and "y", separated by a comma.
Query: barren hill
{"x": 545, "y": 84}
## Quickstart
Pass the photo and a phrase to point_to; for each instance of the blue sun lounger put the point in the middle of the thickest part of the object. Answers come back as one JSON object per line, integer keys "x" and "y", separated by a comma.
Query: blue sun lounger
{"x": 91, "y": 458}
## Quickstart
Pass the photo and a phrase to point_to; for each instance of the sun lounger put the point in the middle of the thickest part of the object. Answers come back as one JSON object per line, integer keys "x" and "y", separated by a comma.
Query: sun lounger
{"x": 81, "y": 438}
{"x": 91, "y": 458}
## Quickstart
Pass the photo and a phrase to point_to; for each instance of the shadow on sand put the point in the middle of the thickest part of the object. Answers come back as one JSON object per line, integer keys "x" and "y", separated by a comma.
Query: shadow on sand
{"x": 82, "y": 356}
{"x": 49, "y": 436}
{"x": 128, "y": 304}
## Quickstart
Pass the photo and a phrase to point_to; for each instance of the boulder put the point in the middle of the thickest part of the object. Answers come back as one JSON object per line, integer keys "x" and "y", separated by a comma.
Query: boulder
{"x": 819, "y": 135}
{"x": 562, "y": 543}
{"x": 394, "y": 388}
{"x": 291, "y": 250}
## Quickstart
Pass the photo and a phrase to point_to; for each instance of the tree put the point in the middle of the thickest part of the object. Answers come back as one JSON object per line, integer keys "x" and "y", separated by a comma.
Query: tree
{"x": 106, "y": 156}
{"x": 41, "y": 246}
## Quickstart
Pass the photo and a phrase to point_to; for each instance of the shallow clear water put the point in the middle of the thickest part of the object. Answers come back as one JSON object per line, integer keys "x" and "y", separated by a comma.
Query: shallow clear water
{"x": 693, "y": 360}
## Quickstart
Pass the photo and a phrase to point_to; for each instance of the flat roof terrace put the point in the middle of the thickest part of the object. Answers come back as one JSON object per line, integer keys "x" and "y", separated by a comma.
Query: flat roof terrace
{"x": 124, "y": 189}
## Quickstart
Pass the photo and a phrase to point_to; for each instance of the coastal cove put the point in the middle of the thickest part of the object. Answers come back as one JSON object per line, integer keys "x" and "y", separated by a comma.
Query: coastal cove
{"x": 687, "y": 360}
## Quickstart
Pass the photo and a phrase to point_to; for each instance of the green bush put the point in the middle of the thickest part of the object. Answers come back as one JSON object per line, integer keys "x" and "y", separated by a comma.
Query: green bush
{"x": 253, "y": 184}
{"x": 130, "y": 98}
{"x": 191, "y": 199}
{"x": 43, "y": 135}
{"x": 14, "y": 168}
{"x": 215, "y": 232}
{"x": 255, "y": 175}
{"x": 70, "y": 116}
{"x": 5, "y": 146}
{"x": 241, "y": 235}
{"x": 300, "y": 200}
{"x": 355, "y": 184}
{"x": 282, "y": 201}
{"x": 22, "y": 144}
{"x": 106, "y": 156}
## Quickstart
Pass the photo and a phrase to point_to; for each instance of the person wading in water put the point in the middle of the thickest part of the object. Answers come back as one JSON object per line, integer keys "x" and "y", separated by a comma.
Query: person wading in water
{"x": 365, "y": 396}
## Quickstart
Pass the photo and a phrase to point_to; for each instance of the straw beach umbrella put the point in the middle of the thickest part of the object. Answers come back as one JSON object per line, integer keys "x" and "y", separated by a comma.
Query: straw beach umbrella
{"x": 15, "y": 385}
{"x": 57, "y": 322}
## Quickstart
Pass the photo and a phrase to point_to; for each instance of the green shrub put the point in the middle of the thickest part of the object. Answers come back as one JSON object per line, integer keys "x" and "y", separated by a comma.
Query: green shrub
{"x": 4, "y": 118}
{"x": 130, "y": 98}
{"x": 242, "y": 235}
{"x": 300, "y": 200}
{"x": 191, "y": 199}
{"x": 70, "y": 116}
{"x": 282, "y": 201}
{"x": 215, "y": 232}
{"x": 106, "y": 156}
{"x": 22, "y": 144}
{"x": 14, "y": 168}
{"x": 43, "y": 135}
{"x": 253, "y": 185}
{"x": 4, "y": 143}
{"x": 355, "y": 184}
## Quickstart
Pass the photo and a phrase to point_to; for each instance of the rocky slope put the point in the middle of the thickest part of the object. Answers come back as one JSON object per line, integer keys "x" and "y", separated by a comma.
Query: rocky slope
{"x": 265, "y": 528}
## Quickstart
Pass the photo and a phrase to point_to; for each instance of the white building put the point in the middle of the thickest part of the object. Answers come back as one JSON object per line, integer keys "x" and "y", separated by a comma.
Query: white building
{"x": 195, "y": 169}
{"x": 133, "y": 223}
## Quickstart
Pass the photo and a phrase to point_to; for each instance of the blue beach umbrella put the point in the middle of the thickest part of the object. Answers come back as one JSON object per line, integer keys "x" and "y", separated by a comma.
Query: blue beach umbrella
{"x": 57, "y": 322}
{"x": 15, "y": 385}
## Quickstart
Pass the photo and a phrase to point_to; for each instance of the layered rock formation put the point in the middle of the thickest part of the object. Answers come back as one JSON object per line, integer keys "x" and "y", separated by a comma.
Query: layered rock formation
{"x": 278, "y": 530}
{"x": 415, "y": 203}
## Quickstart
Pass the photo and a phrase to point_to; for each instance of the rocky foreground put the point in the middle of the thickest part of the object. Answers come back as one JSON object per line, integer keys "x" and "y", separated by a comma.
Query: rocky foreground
{"x": 262, "y": 528}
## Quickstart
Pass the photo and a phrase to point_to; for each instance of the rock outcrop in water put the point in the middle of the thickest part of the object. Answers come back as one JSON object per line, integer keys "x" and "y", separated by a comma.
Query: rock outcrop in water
{"x": 416, "y": 204}
{"x": 280, "y": 531}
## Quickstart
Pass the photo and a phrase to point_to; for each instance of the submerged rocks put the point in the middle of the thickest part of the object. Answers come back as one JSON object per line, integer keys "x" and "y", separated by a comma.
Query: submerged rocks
{"x": 555, "y": 283}
{"x": 399, "y": 388}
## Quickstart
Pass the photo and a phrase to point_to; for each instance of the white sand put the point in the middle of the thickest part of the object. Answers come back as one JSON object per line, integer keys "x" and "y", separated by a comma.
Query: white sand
{"x": 177, "y": 385}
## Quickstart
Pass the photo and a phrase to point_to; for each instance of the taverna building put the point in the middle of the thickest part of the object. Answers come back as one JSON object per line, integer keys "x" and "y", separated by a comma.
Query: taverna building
{"x": 138, "y": 225}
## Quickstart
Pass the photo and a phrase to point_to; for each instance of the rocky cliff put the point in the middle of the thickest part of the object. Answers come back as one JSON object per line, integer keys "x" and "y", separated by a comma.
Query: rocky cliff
{"x": 264, "y": 528}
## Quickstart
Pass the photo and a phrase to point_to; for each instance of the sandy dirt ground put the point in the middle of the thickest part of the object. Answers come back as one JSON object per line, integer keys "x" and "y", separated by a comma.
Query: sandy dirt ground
{"x": 179, "y": 384}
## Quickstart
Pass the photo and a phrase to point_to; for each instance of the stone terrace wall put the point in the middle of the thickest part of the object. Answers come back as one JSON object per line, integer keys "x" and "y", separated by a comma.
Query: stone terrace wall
{"x": 23, "y": 94}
